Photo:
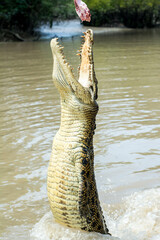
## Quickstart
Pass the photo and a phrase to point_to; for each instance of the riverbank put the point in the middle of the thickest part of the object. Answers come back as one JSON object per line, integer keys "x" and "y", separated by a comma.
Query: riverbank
{"x": 7, "y": 35}
{"x": 61, "y": 29}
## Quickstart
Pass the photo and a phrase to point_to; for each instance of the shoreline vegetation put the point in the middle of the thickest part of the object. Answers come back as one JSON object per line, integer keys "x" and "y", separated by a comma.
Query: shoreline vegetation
{"x": 19, "y": 19}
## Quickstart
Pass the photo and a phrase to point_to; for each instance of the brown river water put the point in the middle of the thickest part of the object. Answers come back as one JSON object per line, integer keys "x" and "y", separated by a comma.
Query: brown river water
{"x": 127, "y": 139}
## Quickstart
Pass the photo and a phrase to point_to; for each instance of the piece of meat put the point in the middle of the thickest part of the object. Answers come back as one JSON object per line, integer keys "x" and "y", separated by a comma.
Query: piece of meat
{"x": 82, "y": 10}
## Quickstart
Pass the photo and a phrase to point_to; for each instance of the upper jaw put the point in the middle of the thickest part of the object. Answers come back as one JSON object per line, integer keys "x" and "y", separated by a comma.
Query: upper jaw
{"x": 86, "y": 87}
{"x": 85, "y": 71}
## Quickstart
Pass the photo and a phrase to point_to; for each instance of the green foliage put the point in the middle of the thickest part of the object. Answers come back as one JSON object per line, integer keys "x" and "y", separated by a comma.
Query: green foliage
{"x": 101, "y": 12}
{"x": 27, "y": 14}
{"x": 139, "y": 13}
{"x": 132, "y": 13}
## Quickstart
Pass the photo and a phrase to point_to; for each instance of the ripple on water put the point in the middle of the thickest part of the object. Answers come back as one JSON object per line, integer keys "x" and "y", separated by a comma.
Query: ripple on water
{"x": 126, "y": 141}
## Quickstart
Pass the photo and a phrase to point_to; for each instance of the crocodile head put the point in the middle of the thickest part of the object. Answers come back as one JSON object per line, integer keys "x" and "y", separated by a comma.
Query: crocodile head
{"x": 85, "y": 87}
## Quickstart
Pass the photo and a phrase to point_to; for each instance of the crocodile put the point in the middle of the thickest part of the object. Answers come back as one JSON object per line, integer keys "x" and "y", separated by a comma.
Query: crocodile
{"x": 71, "y": 183}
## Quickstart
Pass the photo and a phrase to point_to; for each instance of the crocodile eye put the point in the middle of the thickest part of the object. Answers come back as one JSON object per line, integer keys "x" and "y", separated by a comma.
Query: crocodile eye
{"x": 91, "y": 92}
{"x": 91, "y": 88}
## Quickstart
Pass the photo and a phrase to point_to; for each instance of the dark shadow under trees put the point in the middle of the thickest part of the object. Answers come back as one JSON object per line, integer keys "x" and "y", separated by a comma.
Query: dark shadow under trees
{"x": 26, "y": 15}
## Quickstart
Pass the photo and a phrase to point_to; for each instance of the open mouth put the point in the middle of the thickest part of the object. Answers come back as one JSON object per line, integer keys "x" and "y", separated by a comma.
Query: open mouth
{"x": 62, "y": 71}
{"x": 85, "y": 72}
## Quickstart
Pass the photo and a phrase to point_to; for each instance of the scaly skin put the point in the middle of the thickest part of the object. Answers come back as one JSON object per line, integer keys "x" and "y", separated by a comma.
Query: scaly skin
{"x": 71, "y": 184}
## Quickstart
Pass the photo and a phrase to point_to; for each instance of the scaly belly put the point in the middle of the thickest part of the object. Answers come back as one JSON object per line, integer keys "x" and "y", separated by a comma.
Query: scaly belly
{"x": 62, "y": 185}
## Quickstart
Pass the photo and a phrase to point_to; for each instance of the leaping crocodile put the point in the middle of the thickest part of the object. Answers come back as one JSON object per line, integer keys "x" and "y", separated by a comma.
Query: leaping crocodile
{"x": 71, "y": 183}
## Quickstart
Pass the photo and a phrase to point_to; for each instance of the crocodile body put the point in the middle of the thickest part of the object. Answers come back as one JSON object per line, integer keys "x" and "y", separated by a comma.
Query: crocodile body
{"x": 71, "y": 184}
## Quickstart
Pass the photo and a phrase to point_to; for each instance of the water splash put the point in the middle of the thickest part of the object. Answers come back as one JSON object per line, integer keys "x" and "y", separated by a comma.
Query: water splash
{"x": 48, "y": 229}
{"x": 67, "y": 28}
{"x": 72, "y": 28}
{"x": 137, "y": 217}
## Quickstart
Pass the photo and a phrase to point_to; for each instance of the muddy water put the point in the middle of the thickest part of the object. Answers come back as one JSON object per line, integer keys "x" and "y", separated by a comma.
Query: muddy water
{"x": 127, "y": 140}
